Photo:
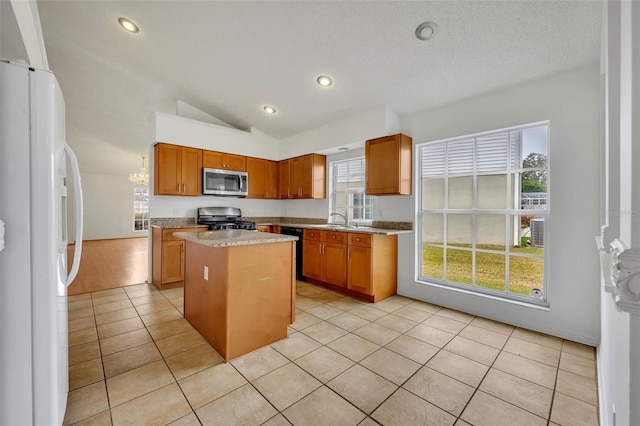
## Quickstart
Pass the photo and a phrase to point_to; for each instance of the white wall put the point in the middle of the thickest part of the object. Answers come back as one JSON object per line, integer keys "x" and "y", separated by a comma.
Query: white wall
{"x": 350, "y": 131}
{"x": 570, "y": 101}
{"x": 108, "y": 207}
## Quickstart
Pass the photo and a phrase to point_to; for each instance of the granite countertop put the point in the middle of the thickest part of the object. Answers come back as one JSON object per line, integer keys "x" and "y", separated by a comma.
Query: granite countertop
{"x": 235, "y": 237}
{"x": 178, "y": 226}
{"x": 175, "y": 222}
{"x": 350, "y": 228}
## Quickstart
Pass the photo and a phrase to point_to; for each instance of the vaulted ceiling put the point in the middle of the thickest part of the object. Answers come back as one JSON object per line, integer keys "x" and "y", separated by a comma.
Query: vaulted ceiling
{"x": 231, "y": 58}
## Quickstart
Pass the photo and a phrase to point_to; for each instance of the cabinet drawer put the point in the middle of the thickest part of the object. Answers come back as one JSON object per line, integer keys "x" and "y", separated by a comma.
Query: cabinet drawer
{"x": 336, "y": 237}
{"x": 361, "y": 240}
{"x": 167, "y": 234}
{"x": 313, "y": 234}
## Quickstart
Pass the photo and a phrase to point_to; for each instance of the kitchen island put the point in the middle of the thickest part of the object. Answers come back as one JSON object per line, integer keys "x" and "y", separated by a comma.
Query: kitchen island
{"x": 239, "y": 289}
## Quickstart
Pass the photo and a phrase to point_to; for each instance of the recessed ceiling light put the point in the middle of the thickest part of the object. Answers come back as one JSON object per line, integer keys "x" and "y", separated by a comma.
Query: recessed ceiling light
{"x": 269, "y": 109}
{"x": 426, "y": 30}
{"x": 128, "y": 25}
{"x": 343, "y": 148}
{"x": 324, "y": 80}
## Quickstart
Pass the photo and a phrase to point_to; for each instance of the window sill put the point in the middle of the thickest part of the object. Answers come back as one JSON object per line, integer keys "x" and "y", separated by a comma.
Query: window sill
{"x": 541, "y": 305}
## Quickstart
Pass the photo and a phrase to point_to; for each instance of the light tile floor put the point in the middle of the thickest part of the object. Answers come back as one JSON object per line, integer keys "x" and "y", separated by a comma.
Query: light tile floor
{"x": 133, "y": 359}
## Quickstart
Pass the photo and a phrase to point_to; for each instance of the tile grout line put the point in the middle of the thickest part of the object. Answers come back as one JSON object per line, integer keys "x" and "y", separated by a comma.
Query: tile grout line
{"x": 385, "y": 314}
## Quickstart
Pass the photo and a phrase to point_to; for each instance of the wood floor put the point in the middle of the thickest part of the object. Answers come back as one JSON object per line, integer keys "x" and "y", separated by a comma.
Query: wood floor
{"x": 109, "y": 264}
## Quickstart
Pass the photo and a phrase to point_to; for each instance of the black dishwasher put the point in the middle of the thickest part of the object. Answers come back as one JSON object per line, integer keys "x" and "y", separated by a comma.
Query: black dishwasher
{"x": 296, "y": 232}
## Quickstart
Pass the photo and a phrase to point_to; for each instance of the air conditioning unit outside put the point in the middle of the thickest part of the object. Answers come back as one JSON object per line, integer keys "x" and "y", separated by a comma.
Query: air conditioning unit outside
{"x": 537, "y": 232}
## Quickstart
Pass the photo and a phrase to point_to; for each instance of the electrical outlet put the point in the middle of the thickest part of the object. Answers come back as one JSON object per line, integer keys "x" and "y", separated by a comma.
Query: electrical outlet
{"x": 206, "y": 273}
{"x": 176, "y": 212}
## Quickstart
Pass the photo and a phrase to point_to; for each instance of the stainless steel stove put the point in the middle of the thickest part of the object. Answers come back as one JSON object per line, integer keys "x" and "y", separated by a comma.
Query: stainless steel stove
{"x": 220, "y": 218}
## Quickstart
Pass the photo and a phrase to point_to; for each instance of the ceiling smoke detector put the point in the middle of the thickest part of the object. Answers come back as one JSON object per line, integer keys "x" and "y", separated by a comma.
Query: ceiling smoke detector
{"x": 269, "y": 109}
{"x": 426, "y": 30}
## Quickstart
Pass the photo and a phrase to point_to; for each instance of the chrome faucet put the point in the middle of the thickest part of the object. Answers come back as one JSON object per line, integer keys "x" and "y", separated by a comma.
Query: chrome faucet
{"x": 343, "y": 216}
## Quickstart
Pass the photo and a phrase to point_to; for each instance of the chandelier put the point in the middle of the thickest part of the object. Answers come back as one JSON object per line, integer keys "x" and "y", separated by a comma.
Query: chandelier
{"x": 141, "y": 178}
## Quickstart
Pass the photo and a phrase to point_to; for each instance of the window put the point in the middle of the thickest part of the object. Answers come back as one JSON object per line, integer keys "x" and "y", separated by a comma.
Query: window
{"x": 483, "y": 206}
{"x": 141, "y": 209}
{"x": 347, "y": 190}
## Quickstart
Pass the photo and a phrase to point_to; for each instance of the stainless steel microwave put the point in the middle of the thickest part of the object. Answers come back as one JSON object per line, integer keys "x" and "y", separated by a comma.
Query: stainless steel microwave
{"x": 224, "y": 182}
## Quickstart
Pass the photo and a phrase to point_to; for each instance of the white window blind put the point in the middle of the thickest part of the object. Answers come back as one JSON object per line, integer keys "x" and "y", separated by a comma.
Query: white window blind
{"x": 352, "y": 171}
{"x": 456, "y": 157}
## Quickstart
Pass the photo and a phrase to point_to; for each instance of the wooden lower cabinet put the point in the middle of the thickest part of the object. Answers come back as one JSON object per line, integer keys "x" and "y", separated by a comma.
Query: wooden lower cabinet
{"x": 361, "y": 265}
{"x": 263, "y": 228}
{"x": 324, "y": 257}
{"x": 373, "y": 265}
{"x": 167, "y": 257}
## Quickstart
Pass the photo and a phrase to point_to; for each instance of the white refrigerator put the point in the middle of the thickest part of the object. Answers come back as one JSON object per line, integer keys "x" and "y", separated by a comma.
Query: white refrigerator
{"x": 33, "y": 246}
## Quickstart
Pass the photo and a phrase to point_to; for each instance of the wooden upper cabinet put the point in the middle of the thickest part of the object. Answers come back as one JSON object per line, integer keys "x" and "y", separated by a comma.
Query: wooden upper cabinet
{"x": 222, "y": 160}
{"x": 192, "y": 171}
{"x": 256, "y": 168}
{"x": 271, "y": 179}
{"x": 177, "y": 170}
{"x": 308, "y": 176}
{"x": 263, "y": 178}
{"x": 284, "y": 179}
{"x": 389, "y": 162}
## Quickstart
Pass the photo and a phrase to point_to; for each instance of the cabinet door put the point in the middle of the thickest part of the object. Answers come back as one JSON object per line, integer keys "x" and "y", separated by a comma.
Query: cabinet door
{"x": 312, "y": 259}
{"x": 382, "y": 155}
{"x": 167, "y": 169}
{"x": 191, "y": 171}
{"x": 256, "y": 168}
{"x": 306, "y": 177}
{"x": 172, "y": 261}
{"x": 221, "y": 160}
{"x": 359, "y": 267}
{"x": 335, "y": 262}
{"x": 212, "y": 159}
{"x": 391, "y": 154}
{"x": 284, "y": 179}
{"x": 297, "y": 177}
{"x": 271, "y": 179}
{"x": 235, "y": 162}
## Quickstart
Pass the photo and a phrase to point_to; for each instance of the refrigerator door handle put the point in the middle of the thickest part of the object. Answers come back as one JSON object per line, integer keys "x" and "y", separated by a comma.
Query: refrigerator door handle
{"x": 79, "y": 213}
